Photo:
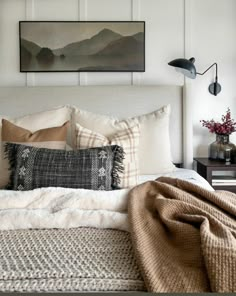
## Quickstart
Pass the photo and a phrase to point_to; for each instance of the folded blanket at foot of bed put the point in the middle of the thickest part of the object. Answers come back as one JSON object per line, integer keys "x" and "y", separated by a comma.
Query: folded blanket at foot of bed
{"x": 57, "y": 239}
{"x": 184, "y": 236}
{"x": 51, "y": 207}
{"x": 76, "y": 259}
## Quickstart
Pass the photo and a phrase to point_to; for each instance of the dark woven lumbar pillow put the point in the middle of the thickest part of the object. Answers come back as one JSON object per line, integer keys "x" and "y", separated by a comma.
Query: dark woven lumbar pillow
{"x": 94, "y": 168}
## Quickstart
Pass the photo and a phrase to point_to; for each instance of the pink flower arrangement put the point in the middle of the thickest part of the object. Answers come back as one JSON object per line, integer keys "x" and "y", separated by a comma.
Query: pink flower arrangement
{"x": 226, "y": 127}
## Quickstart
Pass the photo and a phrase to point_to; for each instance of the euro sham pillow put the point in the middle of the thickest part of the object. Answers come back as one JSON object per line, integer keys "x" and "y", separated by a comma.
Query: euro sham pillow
{"x": 128, "y": 139}
{"x": 34, "y": 122}
{"x": 154, "y": 146}
{"x": 33, "y": 167}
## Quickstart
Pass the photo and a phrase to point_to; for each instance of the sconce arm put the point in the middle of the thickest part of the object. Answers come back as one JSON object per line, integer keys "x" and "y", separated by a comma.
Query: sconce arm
{"x": 215, "y": 87}
{"x": 215, "y": 64}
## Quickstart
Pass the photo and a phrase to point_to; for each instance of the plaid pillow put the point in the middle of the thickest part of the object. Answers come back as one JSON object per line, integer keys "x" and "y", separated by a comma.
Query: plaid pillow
{"x": 95, "y": 168}
{"x": 128, "y": 139}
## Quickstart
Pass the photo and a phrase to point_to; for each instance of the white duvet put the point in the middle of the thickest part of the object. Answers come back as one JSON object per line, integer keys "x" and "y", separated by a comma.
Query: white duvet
{"x": 68, "y": 208}
{"x": 63, "y": 208}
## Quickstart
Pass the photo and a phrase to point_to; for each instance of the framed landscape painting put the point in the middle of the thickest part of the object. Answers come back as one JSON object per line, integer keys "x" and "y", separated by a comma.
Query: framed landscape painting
{"x": 59, "y": 46}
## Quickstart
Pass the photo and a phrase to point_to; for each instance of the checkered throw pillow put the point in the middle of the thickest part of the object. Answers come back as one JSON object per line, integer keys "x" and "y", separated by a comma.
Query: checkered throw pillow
{"x": 95, "y": 168}
{"x": 128, "y": 139}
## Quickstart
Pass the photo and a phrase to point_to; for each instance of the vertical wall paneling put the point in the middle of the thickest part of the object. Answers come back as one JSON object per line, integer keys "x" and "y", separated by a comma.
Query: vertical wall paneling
{"x": 11, "y": 12}
{"x": 29, "y": 16}
{"x": 83, "y": 14}
{"x": 109, "y": 10}
{"x": 56, "y": 10}
{"x": 174, "y": 28}
{"x": 213, "y": 40}
{"x": 136, "y": 16}
{"x": 164, "y": 39}
{"x": 83, "y": 10}
{"x": 187, "y": 97}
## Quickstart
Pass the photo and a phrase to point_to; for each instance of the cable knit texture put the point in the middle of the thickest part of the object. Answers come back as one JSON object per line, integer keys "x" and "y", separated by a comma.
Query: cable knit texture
{"x": 76, "y": 259}
{"x": 184, "y": 236}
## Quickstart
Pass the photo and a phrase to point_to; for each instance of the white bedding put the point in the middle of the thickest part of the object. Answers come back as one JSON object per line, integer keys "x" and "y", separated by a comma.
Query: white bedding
{"x": 184, "y": 174}
{"x": 63, "y": 208}
{"x": 69, "y": 208}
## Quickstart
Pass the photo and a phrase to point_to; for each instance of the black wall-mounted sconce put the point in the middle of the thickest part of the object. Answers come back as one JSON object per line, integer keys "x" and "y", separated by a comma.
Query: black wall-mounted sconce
{"x": 188, "y": 68}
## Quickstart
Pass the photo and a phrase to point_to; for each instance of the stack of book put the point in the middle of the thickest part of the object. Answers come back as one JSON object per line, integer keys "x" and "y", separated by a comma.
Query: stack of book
{"x": 223, "y": 181}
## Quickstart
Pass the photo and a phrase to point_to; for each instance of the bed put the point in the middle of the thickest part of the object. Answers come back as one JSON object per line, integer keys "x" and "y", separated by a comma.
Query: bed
{"x": 54, "y": 238}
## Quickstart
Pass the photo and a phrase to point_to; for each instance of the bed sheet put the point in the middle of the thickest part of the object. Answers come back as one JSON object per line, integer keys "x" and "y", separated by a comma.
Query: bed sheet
{"x": 184, "y": 174}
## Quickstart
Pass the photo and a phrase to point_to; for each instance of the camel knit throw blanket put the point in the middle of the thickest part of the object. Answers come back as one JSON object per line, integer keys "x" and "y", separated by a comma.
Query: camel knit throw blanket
{"x": 184, "y": 236}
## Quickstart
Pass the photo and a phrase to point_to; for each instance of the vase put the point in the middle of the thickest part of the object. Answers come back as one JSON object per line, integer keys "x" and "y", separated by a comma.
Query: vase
{"x": 221, "y": 149}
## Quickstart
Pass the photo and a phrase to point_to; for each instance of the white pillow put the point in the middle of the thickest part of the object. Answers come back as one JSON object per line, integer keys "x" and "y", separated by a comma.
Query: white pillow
{"x": 154, "y": 147}
{"x": 103, "y": 124}
{"x": 33, "y": 122}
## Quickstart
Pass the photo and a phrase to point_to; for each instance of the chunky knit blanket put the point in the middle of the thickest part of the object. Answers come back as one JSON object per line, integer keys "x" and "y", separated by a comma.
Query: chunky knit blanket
{"x": 76, "y": 259}
{"x": 184, "y": 236}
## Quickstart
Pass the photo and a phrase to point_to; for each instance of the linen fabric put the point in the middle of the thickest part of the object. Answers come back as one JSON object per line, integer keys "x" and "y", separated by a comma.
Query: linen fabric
{"x": 154, "y": 146}
{"x": 128, "y": 139}
{"x": 95, "y": 168}
{"x": 155, "y": 149}
{"x": 34, "y": 122}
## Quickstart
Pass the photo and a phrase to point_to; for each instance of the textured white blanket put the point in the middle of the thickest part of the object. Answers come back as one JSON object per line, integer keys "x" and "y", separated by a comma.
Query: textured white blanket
{"x": 63, "y": 208}
{"x": 69, "y": 208}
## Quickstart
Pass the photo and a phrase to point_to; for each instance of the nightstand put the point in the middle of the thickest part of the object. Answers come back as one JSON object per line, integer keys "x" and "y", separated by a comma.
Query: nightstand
{"x": 220, "y": 175}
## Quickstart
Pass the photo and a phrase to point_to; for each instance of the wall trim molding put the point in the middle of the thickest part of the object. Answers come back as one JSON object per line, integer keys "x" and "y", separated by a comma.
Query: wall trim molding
{"x": 83, "y": 16}
{"x": 136, "y": 16}
{"x": 30, "y": 15}
{"x": 187, "y": 96}
{"x": 187, "y": 28}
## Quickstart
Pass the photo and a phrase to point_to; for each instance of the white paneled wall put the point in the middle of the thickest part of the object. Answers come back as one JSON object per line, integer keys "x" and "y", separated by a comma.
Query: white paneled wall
{"x": 213, "y": 40}
{"x": 111, "y": 10}
{"x": 205, "y": 29}
{"x": 54, "y": 10}
{"x": 10, "y": 13}
{"x": 165, "y": 39}
{"x": 164, "y": 18}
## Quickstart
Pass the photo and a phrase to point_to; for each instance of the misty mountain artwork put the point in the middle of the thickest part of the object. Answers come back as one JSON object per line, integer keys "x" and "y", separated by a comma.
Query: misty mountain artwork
{"x": 53, "y": 46}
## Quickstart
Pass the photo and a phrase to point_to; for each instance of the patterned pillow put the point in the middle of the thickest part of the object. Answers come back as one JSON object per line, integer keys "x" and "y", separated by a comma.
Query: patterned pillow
{"x": 127, "y": 138}
{"x": 51, "y": 137}
{"x": 154, "y": 144}
{"x": 34, "y": 122}
{"x": 95, "y": 168}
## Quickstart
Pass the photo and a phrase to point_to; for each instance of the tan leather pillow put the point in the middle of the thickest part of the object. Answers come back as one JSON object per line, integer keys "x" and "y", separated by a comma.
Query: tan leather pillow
{"x": 53, "y": 137}
{"x": 34, "y": 122}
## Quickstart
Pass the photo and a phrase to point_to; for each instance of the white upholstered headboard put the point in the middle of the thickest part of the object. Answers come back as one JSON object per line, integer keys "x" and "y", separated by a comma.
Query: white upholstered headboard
{"x": 119, "y": 101}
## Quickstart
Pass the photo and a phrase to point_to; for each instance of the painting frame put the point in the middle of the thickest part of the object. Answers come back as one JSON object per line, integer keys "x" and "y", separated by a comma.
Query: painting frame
{"x": 111, "y": 55}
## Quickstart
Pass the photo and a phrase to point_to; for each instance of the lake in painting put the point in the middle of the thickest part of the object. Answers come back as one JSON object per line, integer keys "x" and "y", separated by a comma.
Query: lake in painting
{"x": 82, "y": 46}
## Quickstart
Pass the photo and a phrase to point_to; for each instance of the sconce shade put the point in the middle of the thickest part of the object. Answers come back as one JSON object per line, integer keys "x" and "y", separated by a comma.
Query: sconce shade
{"x": 184, "y": 66}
